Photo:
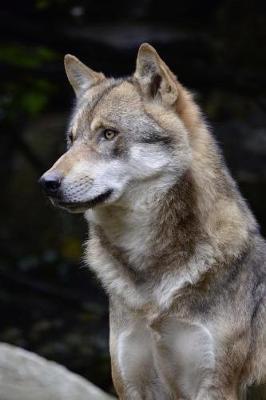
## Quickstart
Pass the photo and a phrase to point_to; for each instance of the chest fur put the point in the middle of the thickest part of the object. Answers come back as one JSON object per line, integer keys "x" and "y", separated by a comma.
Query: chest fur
{"x": 124, "y": 277}
{"x": 175, "y": 355}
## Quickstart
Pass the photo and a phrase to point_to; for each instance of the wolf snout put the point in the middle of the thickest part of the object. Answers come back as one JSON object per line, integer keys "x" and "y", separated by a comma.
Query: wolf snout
{"x": 51, "y": 182}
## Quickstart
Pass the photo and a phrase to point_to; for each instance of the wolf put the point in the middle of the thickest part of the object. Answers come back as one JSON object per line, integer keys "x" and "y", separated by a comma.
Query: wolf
{"x": 171, "y": 239}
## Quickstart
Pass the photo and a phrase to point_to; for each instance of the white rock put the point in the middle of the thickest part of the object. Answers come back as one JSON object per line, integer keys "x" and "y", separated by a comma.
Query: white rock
{"x": 27, "y": 376}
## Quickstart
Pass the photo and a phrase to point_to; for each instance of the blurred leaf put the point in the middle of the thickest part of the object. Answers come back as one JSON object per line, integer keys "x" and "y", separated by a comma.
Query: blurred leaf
{"x": 29, "y": 97}
{"x": 71, "y": 248}
{"x": 34, "y": 102}
{"x": 27, "y": 57}
{"x": 42, "y": 4}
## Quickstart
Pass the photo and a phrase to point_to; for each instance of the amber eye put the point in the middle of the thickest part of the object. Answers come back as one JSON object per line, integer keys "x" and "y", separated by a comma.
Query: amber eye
{"x": 109, "y": 134}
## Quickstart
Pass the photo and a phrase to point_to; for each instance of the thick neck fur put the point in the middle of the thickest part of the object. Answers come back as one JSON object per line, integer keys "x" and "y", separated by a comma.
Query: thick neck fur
{"x": 153, "y": 225}
{"x": 188, "y": 227}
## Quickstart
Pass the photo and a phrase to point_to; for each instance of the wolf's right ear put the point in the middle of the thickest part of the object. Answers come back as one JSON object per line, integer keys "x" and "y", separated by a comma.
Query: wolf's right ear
{"x": 79, "y": 75}
{"x": 154, "y": 77}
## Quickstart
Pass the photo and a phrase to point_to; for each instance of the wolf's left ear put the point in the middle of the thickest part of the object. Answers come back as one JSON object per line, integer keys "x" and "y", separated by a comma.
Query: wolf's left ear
{"x": 155, "y": 78}
{"x": 79, "y": 75}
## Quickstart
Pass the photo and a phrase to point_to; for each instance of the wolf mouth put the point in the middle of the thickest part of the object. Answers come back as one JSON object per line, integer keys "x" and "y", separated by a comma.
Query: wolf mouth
{"x": 87, "y": 204}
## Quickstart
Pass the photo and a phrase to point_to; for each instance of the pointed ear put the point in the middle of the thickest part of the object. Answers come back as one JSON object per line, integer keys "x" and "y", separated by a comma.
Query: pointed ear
{"x": 155, "y": 78}
{"x": 79, "y": 75}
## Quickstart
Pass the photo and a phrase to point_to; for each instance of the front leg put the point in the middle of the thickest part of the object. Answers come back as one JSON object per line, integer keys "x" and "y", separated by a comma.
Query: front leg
{"x": 134, "y": 374}
{"x": 215, "y": 393}
{"x": 225, "y": 381}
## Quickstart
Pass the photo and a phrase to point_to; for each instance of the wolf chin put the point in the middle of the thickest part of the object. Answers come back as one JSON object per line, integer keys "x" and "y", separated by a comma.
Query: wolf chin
{"x": 171, "y": 239}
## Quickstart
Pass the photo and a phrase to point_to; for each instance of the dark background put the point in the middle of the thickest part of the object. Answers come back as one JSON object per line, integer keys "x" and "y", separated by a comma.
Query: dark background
{"x": 49, "y": 301}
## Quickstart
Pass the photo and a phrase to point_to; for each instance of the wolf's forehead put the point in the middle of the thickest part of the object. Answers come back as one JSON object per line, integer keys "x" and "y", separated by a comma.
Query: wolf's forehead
{"x": 88, "y": 100}
{"x": 111, "y": 99}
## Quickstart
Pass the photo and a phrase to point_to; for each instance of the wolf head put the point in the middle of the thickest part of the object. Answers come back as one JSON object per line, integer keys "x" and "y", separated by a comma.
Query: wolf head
{"x": 124, "y": 135}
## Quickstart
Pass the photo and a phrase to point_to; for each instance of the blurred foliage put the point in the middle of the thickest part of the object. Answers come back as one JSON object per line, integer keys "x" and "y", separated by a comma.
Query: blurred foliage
{"x": 30, "y": 94}
{"x": 42, "y": 4}
{"x": 24, "y": 57}
{"x": 49, "y": 302}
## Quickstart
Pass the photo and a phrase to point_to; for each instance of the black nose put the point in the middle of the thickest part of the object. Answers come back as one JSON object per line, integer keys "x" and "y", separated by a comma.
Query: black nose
{"x": 50, "y": 182}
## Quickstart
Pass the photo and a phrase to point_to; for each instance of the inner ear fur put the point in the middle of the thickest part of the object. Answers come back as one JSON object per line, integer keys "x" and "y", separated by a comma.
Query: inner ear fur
{"x": 154, "y": 77}
{"x": 79, "y": 75}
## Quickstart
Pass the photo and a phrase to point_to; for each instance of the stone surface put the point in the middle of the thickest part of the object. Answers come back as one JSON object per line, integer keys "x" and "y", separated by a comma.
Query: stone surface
{"x": 26, "y": 376}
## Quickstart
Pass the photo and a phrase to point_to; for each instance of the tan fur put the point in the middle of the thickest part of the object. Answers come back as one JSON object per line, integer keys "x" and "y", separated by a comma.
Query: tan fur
{"x": 172, "y": 240}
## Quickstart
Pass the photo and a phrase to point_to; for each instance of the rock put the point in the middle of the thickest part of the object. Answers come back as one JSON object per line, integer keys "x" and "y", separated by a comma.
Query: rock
{"x": 27, "y": 376}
